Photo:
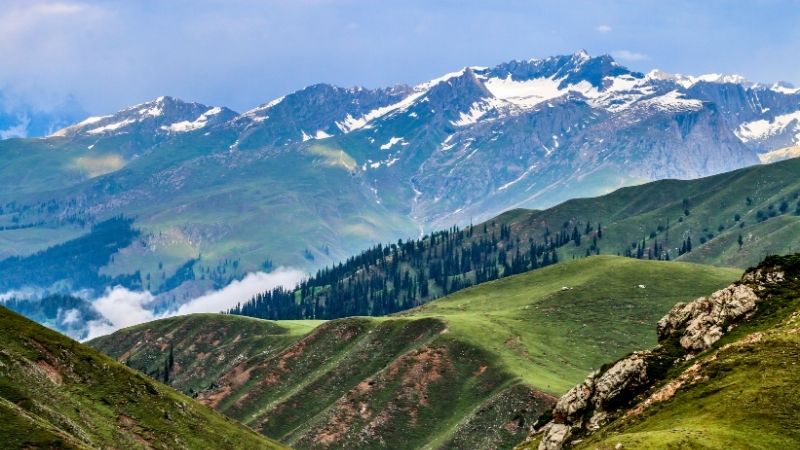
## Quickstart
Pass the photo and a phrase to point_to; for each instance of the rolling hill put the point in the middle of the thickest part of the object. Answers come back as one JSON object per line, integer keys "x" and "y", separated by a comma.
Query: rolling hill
{"x": 473, "y": 369}
{"x": 723, "y": 376}
{"x": 57, "y": 393}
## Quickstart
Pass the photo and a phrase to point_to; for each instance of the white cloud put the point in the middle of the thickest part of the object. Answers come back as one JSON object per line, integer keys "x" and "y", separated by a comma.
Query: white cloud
{"x": 604, "y": 28}
{"x": 70, "y": 316}
{"x": 122, "y": 308}
{"x": 627, "y": 55}
{"x": 241, "y": 291}
{"x": 18, "y": 130}
{"x": 25, "y": 293}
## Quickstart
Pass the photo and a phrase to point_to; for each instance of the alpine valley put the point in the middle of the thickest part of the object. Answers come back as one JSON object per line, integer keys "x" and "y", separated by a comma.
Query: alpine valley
{"x": 313, "y": 177}
{"x": 547, "y": 254}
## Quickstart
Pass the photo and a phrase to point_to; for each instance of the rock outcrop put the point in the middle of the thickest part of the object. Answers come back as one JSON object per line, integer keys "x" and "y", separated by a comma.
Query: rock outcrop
{"x": 686, "y": 330}
{"x": 699, "y": 324}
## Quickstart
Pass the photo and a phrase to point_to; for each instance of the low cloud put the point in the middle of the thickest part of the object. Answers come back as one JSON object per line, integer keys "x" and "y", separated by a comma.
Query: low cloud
{"x": 120, "y": 308}
{"x": 241, "y": 291}
{"x": 627, "y": 55}
{"x": 123, "y": 308}
{"x": 604, "y": 29}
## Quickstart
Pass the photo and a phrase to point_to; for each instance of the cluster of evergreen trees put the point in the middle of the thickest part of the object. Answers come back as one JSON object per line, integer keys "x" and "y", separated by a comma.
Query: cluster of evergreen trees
{"x": 78, "y": 260}
{"x": 389, "y": 278}
{"x": 51, "y": 212}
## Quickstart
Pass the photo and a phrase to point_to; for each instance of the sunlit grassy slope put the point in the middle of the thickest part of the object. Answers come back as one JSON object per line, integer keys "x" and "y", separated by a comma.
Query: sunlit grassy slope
{"x": 57, "y": 393}
{"x": 552, "y": 326}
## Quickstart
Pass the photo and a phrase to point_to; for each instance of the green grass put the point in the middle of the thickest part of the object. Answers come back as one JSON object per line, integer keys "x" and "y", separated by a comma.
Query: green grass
{"x": 57, "y": 393}
{"x": 499, "y": 347}
{"x": 551, "y": 338}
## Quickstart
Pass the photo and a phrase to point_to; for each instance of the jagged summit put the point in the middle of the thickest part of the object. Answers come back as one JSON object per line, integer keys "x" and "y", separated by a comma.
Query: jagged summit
{"x": 164, "y": 114}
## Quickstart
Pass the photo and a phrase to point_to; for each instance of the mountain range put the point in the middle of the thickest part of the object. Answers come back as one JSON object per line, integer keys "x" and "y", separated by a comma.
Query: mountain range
{"x": 311, "y": 178}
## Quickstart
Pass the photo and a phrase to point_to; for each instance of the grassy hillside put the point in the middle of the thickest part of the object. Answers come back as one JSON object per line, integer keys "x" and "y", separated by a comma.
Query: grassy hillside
{"x": 57, "y": 393}
{"x": 553, "y": 325}
{"x": 761, "y": 204}
{"x": 728, "y": 220}
{"x": 742, "y": 393}
{"x": 471, "y": 370}
{"x": 213, "y": 201}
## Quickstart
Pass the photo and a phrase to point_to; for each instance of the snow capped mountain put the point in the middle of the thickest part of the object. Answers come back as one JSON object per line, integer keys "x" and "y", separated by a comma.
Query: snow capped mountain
{"x": 324, "y": 171}
{"x": 163, "y": 115}
{"x": 316, "y": 112}
{"x": 479, "y": 140}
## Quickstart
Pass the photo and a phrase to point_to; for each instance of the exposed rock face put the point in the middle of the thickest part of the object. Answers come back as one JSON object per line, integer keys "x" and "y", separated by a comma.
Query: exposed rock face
{"x": 703, "y": 321}
{"x": 555, "y": 435}
{"x": 590, "y": 404}
{"x": 603, "y": 396}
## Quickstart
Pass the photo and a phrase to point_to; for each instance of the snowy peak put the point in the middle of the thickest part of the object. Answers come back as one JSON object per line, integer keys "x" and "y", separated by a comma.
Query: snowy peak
{"x": 164, "y": 115}
{"x": 315, "y": 112}
{"x": 687, "y": 81}
{"x": 567, "y": 69}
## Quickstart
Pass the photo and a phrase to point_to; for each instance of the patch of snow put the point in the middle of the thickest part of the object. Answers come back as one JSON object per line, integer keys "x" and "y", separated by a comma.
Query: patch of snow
{"x": 518, "y": 179}
{"x": 784, "y": 89}
{"x": 320, "y": 134}
{"x": 672, "y": 101}
{"x": 350, "y": 123}
{"x": 84, "y": 123}
{"x": 91, "y": 120}
{"x": 254, "y": 113}
{"x": 476, "y": 111}
{"x": 780, "y": 154}
{"x": 524, "y": 93}
{"x": 392, "y": 141}
{"x": 763, "y": 129}
{"x": 688, "y": 81}
{"x": 200, "y": 122}
{"x": 111, "y": 127}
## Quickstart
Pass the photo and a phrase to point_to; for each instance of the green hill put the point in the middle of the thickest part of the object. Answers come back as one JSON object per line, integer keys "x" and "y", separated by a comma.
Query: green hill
{"x": 738, "y": 392}
{"x": 57, "y": 393}
{"x": 471, "y": 370}
{"x": 729, "y": 220}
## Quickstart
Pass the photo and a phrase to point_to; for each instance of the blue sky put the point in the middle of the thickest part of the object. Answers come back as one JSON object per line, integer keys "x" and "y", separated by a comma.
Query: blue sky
{"x": 240, "y": 53}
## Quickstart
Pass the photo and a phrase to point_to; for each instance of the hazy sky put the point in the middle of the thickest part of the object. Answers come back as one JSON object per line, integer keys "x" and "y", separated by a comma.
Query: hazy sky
{"x": 240, "y": 53}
